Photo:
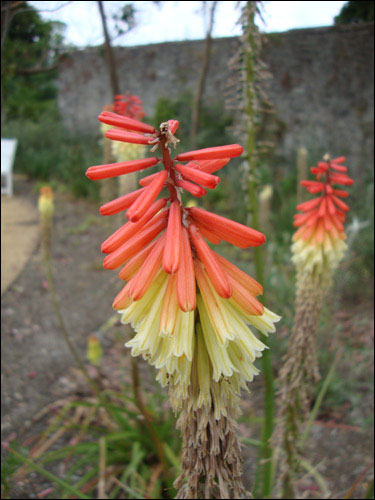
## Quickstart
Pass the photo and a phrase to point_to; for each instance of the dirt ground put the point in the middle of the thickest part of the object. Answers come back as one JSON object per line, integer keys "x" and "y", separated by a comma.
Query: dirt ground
{"x": 37, "y": 368}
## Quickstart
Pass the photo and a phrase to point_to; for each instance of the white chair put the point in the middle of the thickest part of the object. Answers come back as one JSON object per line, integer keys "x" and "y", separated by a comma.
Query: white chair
{"x": 8, "y": 152}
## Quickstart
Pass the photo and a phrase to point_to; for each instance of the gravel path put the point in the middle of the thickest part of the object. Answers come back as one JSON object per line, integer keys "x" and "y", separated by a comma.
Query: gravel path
{"x": 19, "y": 236}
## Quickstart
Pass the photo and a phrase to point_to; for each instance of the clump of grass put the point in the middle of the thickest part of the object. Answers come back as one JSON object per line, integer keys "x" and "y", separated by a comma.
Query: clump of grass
{"x": 99, "y": 451}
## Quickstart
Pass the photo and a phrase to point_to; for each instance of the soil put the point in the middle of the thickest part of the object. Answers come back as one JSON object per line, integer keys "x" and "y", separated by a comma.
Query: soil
{"x": 38, "y": 368}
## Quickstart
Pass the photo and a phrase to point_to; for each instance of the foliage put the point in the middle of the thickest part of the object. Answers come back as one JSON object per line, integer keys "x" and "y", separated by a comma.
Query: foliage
{"x": 124, "y": 19}
{"x": 28, "y": 61}
{"x": 108, "y": 445}
{"x": 46, "y": 151}
{"x": 356, "y": 11}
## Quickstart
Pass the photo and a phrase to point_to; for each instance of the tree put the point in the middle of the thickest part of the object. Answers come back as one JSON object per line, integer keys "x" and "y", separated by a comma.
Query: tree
{"x": 125, "y": 21}
{"x": 30, "y": 49}
{"x": 356, "y": 12}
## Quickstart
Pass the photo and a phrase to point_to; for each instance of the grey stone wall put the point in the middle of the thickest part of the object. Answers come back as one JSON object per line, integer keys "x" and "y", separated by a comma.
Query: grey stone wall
{"x": 321, "y": 86}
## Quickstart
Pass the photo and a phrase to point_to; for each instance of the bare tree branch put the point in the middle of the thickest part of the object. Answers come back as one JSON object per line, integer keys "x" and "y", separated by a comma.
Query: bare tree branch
{"x": 109, "y": 53}
{"x": 202, "y": 78}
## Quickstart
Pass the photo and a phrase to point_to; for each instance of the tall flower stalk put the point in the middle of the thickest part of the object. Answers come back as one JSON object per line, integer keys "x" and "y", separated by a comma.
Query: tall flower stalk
{"x": 191, "y": 309}
{"x": 318, "y": 246}
{"x": 46, "y": 210}
{"x": 253, "y": 72}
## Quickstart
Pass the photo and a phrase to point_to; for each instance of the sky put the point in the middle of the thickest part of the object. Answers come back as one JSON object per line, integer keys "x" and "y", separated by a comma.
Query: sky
{"x": 180, "y": 20}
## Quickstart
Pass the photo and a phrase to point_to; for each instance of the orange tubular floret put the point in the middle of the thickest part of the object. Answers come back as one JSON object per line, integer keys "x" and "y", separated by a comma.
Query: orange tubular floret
{"x": 207, "y": 233}
{"x": 192, "y": 174}
{"x": 133, "y": 246}
{"x": 339, "y": 168}
{"x": 312, "y": 184}
{"x": 341, "y": 179}
{"x": 131, "y": 228}
{"x": 215, "y": 153}
{"x": 312, "y": 220}
{"x": 307, "y": 232}
{"x": 115, "y": 169}
{"x": 327, "y": 222}
{"x": 147, "y": 272}
{"x": 125, "y": 122}
{"x": 251, "y": 285}
{"x": 162, "y": 215}
{"x": 119, "y": 204}
{"x": 330, "y": 206}
{"x": 217, "y": 275}
{"x": 193, "y": 189}
{"x": 233, "y": 232}
{"x": 186, "y": 293}
{"x": 147, "y": 198}
{"x": 146, "y": 181}
{"x": 245, "y": 300}
{"x": 171, "y": 257}
{"x": 315, "y": 189}
{"x": 173, "y": 126}
{"x": 123, "y": 300}
{"x": 131, "y": 267}
{"x": 340, "y": 203}
{"x": 322, "y": 208}
{"x": 308, "y": 205}
{"x": 340, "y": 159}
{"x": 209, "y": 166}
{"x": 319, "y": 233}
{"x": 169, "y": 308}
{"x": 132, "y": 137}
{"x": 301, "y": 219}
{"x": 339, "y": 192}
{"x": 337, "y": 223}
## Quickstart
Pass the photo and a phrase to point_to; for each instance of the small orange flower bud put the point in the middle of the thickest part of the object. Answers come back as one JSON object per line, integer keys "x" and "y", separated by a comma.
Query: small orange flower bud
{"x": 132, "y": 137}
{"x": 171, "y": 257}
{"x": 185, "y": 276}
{"x": 147, "y": 198}
{"x": 116, "y": 169}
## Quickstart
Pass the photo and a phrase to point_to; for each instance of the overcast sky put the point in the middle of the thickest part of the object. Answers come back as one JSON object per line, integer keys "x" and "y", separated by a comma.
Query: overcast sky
{"x": 176, "y": 20}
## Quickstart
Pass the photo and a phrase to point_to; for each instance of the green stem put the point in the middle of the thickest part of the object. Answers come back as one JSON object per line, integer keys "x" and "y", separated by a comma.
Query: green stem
{"x": 95, "y": 389}
{"x": 265, "y": 452}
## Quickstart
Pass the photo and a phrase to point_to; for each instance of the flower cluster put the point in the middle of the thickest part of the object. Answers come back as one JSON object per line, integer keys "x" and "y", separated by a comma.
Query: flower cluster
{"x": 319, "y": 241}
{"x": 130, "y": 106}
{"x": 191, "y": 308}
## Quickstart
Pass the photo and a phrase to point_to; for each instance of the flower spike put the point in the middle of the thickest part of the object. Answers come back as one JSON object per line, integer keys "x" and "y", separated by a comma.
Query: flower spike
{"x": 320, "y": 236}
{"x": 189, "y": 307}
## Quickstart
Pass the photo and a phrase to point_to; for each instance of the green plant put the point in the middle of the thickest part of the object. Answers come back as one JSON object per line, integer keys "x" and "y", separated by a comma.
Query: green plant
{"x": 48, "y": 152}
{"x": 112, "y": 453}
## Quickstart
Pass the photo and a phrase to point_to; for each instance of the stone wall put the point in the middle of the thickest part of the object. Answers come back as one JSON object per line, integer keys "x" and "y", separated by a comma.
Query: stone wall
{"x": 321, "y": 86}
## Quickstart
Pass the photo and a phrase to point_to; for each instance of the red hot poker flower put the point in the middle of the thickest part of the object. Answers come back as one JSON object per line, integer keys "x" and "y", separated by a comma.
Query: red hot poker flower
{"x": 180, "y": 232}
{"x": 320, "y": 236}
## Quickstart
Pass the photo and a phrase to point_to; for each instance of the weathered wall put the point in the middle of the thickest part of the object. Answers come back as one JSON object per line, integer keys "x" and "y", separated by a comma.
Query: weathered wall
{"x": 321, "y": 86}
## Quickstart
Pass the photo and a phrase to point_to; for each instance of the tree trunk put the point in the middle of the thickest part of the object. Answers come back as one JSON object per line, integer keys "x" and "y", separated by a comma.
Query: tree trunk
{"x": 202, "y": 79}
{"x": 109, "y": 54}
